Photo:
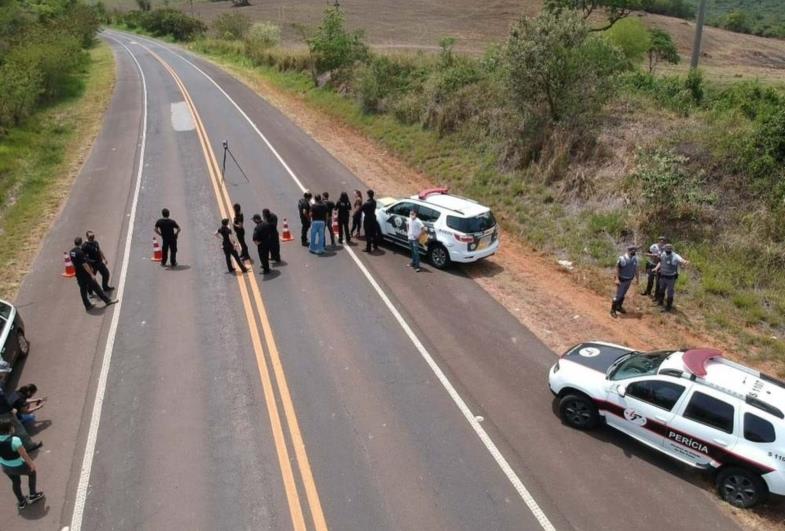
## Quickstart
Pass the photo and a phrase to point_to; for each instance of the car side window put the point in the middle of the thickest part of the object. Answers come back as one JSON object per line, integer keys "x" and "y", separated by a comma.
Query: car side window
{"x": 428, "y": 214}
{"x": 710, "y": 411}
{"x": 655, "y": 392}
{"x": 401, "y": 209}
{"x": 758, "y": 430}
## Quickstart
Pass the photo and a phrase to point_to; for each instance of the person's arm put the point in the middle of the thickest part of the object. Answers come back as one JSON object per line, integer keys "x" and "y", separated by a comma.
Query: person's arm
{"x": 158, "y": 229}
{"x": 177, "y": 229}
{"x": 26, "y": 457}
{"x": 88, "y": 269}
{"x": 657, "y": 267}
{"x": 218, "y": 234}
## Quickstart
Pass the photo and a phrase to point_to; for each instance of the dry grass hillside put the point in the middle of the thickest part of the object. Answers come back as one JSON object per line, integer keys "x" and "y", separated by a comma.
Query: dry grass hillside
{"x": 416, "y": 24}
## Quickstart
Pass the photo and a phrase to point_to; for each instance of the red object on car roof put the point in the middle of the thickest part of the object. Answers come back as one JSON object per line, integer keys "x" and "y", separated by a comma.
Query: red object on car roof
{"x": 432, "y": 191}
{"x": 695, "y": 359}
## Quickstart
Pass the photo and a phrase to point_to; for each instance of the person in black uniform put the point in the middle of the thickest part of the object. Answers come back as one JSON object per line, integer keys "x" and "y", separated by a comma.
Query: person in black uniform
{"x": 85, "y": 276}
{"x": 239, "y": 231}
{"x": 96, "y": 259}
{"x": 344, "y": 207}
{"x": 262, "y": 235}
{"x": 168, "y": 230}
{"x": 370, "y": 225}
{"x": 304, "y": 208}
{"x": 275, "y": 240}
{"x": 328, "y": 219}
{"x": 224, "y": 233}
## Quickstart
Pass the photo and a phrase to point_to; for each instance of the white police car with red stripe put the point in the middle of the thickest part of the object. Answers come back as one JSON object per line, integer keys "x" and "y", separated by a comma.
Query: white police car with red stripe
{"x": 693, "y": 405}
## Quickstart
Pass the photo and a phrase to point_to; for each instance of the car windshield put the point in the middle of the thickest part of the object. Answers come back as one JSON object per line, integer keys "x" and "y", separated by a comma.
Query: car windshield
{"x": 5, "y": 312}
{"x": 637, "y": 364}
{"x": 479, "y": 223}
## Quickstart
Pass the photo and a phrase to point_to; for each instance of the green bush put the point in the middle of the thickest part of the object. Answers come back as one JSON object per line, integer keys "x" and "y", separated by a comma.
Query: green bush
{"x": 661, "y": 48}
{"x": 231, "y": 26}
{"x": 56, "y": 56}
{"x": 21, "y": 84}
{"x": 260, "y": 38}
{"x": 167, "y": 21}
{"x": 333, "y": 47}
{"x": 631, "y": 37}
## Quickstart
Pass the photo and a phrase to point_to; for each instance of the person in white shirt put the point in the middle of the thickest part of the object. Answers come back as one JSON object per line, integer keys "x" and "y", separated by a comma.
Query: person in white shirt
{"x": 414, "y": 232}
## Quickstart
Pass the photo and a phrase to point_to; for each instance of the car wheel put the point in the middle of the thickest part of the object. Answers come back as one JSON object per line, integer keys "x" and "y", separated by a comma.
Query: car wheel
{"x": 23, "y": 343}
{"x": 740, "y": 487}
{"x": 579, "y": 412}
{"x": 439, "y": 256}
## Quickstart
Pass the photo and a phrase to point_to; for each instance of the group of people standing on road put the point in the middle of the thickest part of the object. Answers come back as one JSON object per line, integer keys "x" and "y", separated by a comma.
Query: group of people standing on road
{"x": 316, "y": 216}
{"x": 662, "y": 271}
{"x": 265, "y": 237}
{"x": 16, "y": 415}
{"x": 88, "y": 260}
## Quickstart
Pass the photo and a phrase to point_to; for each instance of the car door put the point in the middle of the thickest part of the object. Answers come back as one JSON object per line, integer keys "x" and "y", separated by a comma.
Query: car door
{"x": 643, "y": 407}
{"x": 702, "y": 432}
{"x": 396, "y": 223}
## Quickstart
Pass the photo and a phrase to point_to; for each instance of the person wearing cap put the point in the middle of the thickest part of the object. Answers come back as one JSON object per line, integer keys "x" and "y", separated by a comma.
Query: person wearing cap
{"x": 262, "y": 235}
{"x": 668, "y": 270}
{"x": 626, "y": 271}
{"x": 304, "y": 208}
{"x": 652, "y": 259}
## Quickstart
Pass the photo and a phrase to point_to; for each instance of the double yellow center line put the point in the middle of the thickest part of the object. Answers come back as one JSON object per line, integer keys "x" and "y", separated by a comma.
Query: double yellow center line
{"x": 266, "y": 350}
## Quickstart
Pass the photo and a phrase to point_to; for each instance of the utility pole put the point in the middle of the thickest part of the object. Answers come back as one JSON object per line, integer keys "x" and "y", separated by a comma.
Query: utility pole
{"x": 696, "y": 46}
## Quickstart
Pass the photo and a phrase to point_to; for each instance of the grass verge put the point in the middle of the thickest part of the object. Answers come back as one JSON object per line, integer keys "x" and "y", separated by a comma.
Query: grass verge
{"x": 40, "y": 159}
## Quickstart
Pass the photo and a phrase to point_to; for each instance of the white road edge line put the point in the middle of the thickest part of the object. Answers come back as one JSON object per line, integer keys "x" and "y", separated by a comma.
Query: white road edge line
{"x": 516, "y": 482}
{"x": 92, "y": 434}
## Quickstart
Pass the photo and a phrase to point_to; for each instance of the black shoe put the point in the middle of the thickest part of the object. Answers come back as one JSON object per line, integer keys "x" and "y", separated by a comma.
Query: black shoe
{"x": 613, "y": 313}
{"x": 88, "y": 308}
{"x": 621, "y": 310}
{"x": 304, "y": 244}
{"x": 108, "y": 288}
{"x": 265, "y": 271}
{"x": 36, "y": 496}
{"x": 22, "y": 504}
{"x": 174, "y": 264}
{"x": 35, "y": 446}
{"x": 109, "y": 303}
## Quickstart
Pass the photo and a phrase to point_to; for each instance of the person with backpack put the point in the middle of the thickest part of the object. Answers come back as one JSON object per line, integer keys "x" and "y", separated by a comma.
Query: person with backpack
{"x": 16, "y": 462}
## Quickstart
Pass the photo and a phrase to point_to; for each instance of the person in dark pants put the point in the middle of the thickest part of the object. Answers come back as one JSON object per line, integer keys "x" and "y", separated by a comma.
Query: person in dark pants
{"x": 96, "y": 259}
{"x": 668, "y": 269}
{"x": 328, "y": 218}
{"x": 370, "y": 225}
{"x": 275, "y": 240}
{"x": 85, "y": 277}
{"x": 7, "y": 414}
{"x": 239, "y": 231}
{"x": 652, "y": 259}
{"x": 626, "y": 271}
{"x": 224, "y": 233}
{"x": 261, "y": 237}
{"x": 304, "y": 208}
{"x": 357, "y": 213}
{"x": 168, "y": 230}
{"x": 344, "y": 207}
{"x": 16, "y": 462}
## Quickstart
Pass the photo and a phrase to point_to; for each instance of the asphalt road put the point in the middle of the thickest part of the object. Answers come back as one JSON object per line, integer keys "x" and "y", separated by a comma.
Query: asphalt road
{"x": 343, "y": 391}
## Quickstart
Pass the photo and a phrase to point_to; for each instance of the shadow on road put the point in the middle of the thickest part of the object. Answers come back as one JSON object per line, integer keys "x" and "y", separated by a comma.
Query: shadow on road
{"x": 36, "y": 511}
{"x": 270, "y": 276}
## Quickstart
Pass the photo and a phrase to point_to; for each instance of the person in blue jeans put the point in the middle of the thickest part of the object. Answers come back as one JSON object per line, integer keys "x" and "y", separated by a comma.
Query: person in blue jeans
{"x": 414, "y": 232}
{"x": 23, "y": 402}
{"x": 318, "y": 217}
{"x": 16, "y": 462}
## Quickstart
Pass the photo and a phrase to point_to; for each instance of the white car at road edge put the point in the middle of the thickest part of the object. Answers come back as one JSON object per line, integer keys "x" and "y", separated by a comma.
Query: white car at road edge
{"x": 693, "y": 405}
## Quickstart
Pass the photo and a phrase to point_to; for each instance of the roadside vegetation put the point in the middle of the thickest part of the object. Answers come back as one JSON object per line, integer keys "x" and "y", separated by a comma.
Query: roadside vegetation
{"x": 579, "y": 142}
{"x": 54, "y": 85}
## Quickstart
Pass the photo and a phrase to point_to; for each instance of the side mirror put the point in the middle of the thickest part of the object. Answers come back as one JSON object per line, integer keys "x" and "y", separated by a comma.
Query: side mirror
{"x": 621, "y": 389}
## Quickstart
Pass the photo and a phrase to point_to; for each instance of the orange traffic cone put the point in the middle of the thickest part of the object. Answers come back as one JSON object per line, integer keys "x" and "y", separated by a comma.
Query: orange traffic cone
{"x": 156, "y": 251}
{"x": 335, "y": 223}
{"x": 286, "y": 236}
{"x": 69, "y": 266}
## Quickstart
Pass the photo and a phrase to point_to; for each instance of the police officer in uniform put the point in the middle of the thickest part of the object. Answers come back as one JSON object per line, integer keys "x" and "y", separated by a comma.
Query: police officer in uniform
{"x": 262, "y": 234}
{"x": 85, "y": 276}
{"x": 668, "y": 269}
{"x": 304, "y": 208}
{"x": 224, "y": 233}
{"x": 652, "y": 259}
{"x": 96, "y": 259}
{"x": 239, "y": 231}
{"x": 370, "y": 225}
{"x": 168, "y": 230}
{"x": 275, "y": 239}
{"x": 626, "y": 271}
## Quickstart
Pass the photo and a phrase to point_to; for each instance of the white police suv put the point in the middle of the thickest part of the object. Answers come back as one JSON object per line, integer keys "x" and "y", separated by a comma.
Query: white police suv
{"x": 456, "y": 229}
{"x": 13, "y": 342}
{"x": 693, "y": 405}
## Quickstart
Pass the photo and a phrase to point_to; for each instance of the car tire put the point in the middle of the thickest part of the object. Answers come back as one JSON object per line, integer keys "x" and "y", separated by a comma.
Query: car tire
{"x": 578, "y": 411}
{"x": 741, "y": 487}
{"x": 23, "y": 344}
{"x": 439, "y": 256}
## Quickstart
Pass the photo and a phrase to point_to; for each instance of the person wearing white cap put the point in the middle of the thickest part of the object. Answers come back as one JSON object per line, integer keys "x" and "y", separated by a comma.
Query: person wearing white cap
{"x": 668, "y": 269}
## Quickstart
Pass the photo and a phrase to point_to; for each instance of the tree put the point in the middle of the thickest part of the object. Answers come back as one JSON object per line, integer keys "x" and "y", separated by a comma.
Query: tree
{"x": 614, "y": 10}
{"x": 332, "y": 46}
{"x": 632, "y": 37}
{"x": 737, "y": 21}
{"x": 556, "y": 68}
{"x": 661, "y": 48}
